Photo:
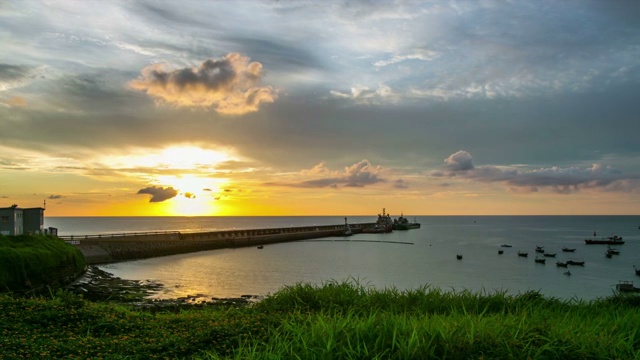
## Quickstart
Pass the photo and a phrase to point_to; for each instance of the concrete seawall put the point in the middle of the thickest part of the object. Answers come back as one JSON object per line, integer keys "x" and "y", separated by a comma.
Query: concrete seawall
{"x": 101, "y": 249}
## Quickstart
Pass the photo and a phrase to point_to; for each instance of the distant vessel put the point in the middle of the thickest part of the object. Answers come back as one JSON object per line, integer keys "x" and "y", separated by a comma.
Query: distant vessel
{"x": 384, "y": 224}
{"x": 626, "y": 286}
{"x": 610, "y": 240}
{"x": 402, "y": 223}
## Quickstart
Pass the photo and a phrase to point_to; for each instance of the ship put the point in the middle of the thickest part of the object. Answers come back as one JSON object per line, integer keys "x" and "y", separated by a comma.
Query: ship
{"x": 609, "y": 240}
{"x": 402, "y": 223}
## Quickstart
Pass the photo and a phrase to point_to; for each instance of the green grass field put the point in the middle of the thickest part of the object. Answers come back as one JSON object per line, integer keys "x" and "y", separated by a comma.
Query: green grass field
{"x": 28, "y": 261}
{"x": 341, "y": 320}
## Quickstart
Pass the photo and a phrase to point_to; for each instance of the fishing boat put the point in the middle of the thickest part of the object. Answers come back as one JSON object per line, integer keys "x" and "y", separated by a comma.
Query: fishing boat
{"x": 561, "y": 264}
{"x": 459, "y": 257}
{"x": 500, "y": 252}
{"x": 627, "y": 287}
{"x": 566, "y": 249}
{"x": 549, "y": 255}
{"x": 574, "y": 262}
{"x": 609, "y": 240}
{"x": 539, "y": 249}
{"x": 505, "y": 245}
{"x": 402, "y": 223}
{"x": 523, "y": 254}
{"x": 613, "y": 251}
{"x": 637, "y": 270}
{"x": 540, "y": 260}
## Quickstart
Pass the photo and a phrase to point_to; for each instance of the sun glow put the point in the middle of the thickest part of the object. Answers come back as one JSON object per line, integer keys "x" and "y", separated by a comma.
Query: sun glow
{"x": 190, "y": 170}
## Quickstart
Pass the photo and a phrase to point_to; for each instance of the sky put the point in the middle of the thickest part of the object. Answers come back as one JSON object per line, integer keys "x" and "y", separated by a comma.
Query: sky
{"x": 242, "y": 108}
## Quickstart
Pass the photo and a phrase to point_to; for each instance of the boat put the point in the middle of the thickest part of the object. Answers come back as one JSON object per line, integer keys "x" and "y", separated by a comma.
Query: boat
{"x": 626, "y": 287}
{"x": 613, "y": 251}
{"x": 574, "y": 262}
{"x": 376, "y": 229}
{"x": 505, "y": 245}
{"x": 608, "y": 254}
{"x": 540, "y": 260}
{"x": 549, "y": 254}
{"x": 637, "y": 270}
{"x": 402, "y": 223}
{"x": 568, "y": 273}
{"x": 539, "y": 249}
{"x": 459, "y": 257}
{"x": 566, "y": 249}
{"x": 523, "y": 254}
{"x": 561, "y": 264}
{"x": 500, "y": 252}
{"x": 609, "y": 240}
{"x": 384, "y": 222}
{"x": 260, "y": 247}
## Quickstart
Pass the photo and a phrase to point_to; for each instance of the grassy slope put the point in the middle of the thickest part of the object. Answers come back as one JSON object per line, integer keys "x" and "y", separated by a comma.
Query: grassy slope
{"x": 34, "y": 259}
{"x": 335, "y": 321}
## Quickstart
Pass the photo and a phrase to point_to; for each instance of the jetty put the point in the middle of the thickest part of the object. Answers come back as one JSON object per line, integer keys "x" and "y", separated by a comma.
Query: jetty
{"x": 110, "y": 248}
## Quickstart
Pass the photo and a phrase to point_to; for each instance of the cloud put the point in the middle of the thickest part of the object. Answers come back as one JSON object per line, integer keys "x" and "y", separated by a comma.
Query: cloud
{"x": 560, "y": 180}
{"x": 54, "y": 197}
{"x": 365, "y": 95}
{"x": 460, "y": 161}
{"x": 189, "y": 195}
{"x": 15, "y": 101}
{"x": 15, "y": 76}
{"x": 159, "y": 194}
{"x": 400, "y": 184}
{"x": 229, "y": 85}
{"x": 424, "y": 55}
{"x": 359, "y": 174}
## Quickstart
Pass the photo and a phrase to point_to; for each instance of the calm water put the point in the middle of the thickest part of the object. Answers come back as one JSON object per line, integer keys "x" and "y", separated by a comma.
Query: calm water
{"x": 431, "y": 260}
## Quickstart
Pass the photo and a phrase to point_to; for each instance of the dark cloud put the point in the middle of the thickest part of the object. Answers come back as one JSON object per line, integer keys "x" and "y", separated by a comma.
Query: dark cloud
{"x": 229, "y": 85}
{"x": 12, "y": 76}
{"x": 400, "y": 184}
{"x": 159, "y": 194}
{"x": 54, "y": 197}
{"x": 560, "y": 180}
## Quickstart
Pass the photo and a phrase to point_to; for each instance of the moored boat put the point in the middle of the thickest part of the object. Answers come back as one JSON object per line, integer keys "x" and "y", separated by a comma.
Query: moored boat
{"x": 574, "y": 262}
{"x": 627, "y": 287}
{"x": 402, "y": 223}
{"x": 539, "y": 249}
{"x": 561, "y": 264}
{"x": 549, "y": 255}
{"x": 637, "y": 270}
{"x": 566, "y": 249}
{"x": 609, "y": 240}
{"x": 523, "y": 254}
{"x": 384, "y": 221}
{"x": 540, "y": 260}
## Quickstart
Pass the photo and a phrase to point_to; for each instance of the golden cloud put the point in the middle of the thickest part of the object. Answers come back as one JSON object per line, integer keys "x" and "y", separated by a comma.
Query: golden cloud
{"x": 230, "y": 85}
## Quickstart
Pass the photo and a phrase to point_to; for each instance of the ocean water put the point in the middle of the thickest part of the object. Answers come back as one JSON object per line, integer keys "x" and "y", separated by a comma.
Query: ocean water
{"x": 430, "y": 259}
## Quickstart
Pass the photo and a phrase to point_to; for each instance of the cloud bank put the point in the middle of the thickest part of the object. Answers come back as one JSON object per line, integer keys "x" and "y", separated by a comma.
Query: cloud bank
{"x": 230, "y": 85}
{"x": 359, "y": 174}
{"x": 560, "y": 180}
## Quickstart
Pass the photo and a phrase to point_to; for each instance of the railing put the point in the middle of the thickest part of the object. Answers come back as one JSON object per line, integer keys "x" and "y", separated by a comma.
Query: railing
{"x": 75, "y": 239}
{"x": 107, "y": 236}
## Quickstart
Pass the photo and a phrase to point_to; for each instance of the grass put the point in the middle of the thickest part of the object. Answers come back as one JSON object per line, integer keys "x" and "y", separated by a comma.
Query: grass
{"x": 338, "y": 320}
{"x": 28, "y": 261}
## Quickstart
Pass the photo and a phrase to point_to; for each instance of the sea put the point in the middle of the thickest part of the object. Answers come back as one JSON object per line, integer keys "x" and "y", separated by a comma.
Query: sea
{"x": 403, "y": 260}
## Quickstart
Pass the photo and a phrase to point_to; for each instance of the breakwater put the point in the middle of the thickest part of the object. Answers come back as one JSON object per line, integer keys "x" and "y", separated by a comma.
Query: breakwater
{"x": 107, "y": 248}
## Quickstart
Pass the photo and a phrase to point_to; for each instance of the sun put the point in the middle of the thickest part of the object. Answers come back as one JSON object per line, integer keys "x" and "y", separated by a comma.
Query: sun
{"x": 191, "y": 170}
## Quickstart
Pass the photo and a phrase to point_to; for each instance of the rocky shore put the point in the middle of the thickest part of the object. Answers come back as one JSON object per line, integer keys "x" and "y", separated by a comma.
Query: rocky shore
{"x": 101, "y": 286}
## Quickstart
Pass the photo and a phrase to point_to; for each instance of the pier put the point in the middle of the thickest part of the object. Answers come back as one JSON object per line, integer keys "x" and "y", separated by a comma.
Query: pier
{"x": 109, "y": 248}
